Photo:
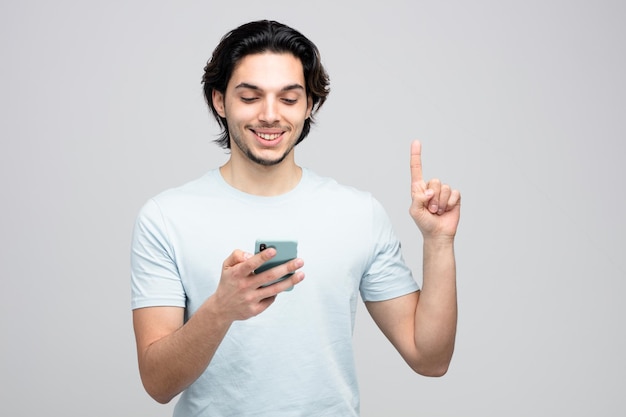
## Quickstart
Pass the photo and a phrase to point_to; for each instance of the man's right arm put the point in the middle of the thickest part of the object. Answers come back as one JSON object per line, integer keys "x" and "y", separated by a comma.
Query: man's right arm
{"x": 173, "y": 354}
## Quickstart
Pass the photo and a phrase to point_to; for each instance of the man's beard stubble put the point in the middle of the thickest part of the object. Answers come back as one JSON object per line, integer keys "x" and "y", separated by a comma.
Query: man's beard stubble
{"x": 254, "y": 158}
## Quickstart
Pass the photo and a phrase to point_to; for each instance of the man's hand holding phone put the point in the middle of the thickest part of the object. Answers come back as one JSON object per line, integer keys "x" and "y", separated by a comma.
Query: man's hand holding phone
{"x": 243, "y": 293}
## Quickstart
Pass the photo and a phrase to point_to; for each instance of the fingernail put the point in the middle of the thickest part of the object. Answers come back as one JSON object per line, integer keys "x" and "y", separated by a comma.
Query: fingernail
{"x": 433, "y": 208}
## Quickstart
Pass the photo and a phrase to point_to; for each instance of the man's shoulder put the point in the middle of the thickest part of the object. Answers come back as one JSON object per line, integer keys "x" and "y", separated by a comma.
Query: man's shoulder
{"x": 342, "y": 196}
{"x": 331, "y": 185}
{"x": 190, "y": 189}
{"x": 176, "y": 199}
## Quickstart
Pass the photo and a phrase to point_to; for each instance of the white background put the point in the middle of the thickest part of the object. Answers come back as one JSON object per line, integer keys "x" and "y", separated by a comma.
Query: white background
{"x": 519, "y": 104}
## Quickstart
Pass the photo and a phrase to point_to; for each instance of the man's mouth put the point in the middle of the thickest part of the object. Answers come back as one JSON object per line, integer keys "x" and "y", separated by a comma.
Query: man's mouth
{"x": 268, "y": 136}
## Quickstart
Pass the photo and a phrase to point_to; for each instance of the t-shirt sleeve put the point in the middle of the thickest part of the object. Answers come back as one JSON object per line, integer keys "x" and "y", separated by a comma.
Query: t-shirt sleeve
{"x": 155, "y": 280}
{"x": 387, "y": 275}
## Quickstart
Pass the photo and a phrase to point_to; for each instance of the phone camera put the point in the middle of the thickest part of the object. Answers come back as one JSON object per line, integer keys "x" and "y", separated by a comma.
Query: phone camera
{"x": 262, "y": 246}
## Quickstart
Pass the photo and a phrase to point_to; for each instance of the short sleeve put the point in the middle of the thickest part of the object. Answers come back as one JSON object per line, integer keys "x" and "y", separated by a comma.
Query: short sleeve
{"x": 387, "y": 275}
{"x": 155, "y": 280}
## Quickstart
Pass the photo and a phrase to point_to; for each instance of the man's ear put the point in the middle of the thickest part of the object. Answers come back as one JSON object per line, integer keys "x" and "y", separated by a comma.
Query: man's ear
{"x": 218, "y": 102}
{"x": 309, "y": 107}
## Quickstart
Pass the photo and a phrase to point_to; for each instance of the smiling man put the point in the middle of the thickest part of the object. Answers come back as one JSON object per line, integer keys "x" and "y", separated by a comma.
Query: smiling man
{"x": 233, "y": 342}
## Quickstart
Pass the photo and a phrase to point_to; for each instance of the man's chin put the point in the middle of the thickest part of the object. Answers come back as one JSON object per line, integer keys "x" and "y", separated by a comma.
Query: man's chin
{"x": 267, "y": 162}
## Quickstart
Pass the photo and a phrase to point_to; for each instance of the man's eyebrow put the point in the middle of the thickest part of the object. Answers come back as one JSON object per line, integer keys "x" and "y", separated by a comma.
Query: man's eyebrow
{"x": 249, "y": 86}
{"x": 293, "y": 87}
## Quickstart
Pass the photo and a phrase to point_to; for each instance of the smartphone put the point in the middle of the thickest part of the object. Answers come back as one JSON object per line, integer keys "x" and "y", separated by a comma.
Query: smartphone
{"x": 286, "y": 250}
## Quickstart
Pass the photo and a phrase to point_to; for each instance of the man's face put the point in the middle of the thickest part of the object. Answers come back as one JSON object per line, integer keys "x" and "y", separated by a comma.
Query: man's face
{"x": 265, "y": 106}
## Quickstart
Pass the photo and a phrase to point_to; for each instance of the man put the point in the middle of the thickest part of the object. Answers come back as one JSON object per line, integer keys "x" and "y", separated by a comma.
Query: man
{"x": 206, "y": 325}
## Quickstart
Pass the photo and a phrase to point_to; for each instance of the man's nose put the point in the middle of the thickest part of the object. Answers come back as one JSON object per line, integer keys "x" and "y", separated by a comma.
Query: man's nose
{"x": 269, "y": 111}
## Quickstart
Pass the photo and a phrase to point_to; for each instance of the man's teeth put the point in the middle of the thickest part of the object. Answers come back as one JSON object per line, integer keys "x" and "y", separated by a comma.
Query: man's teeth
{"x": 268, "y": 136}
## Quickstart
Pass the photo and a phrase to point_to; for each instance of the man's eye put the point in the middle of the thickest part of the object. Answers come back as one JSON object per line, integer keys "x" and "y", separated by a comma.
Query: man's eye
{"x": 290, "y": 101}
{"x": 248, "y": 99}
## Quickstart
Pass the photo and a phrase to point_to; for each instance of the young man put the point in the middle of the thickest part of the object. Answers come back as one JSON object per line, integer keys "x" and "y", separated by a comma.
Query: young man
{"x": 208, "y": 327}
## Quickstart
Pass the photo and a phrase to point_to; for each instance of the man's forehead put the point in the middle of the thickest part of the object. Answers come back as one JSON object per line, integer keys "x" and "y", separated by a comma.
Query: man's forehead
{"x": 268, "y": 70}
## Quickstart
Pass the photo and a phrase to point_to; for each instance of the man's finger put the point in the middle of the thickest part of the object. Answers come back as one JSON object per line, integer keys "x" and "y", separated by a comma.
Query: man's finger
{"x": 259, "y": 259}
{"x": 235, "y": 258}
{"x": 435, "y": 186}
{"x": 416, "y": 161}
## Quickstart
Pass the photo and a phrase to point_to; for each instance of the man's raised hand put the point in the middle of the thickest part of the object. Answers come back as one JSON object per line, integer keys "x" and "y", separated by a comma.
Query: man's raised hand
{"x": 435, "y": 207}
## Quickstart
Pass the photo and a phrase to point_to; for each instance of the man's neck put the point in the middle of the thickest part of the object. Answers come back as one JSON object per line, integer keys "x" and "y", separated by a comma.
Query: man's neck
{"x": 262, "y": 180}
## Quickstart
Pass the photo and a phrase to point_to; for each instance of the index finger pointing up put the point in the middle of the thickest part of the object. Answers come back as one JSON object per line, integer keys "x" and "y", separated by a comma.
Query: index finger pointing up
{"x": 416, "y": 161}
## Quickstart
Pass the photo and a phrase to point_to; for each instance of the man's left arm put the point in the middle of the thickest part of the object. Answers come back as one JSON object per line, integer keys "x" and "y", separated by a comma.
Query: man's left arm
{"x": 422, "y": 325}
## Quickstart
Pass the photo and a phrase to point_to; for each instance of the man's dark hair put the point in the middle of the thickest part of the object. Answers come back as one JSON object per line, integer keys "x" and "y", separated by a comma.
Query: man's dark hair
{"x": 258, "y": 37}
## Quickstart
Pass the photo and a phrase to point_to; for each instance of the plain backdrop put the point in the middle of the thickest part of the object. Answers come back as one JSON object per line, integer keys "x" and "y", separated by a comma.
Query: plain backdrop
{"x": 519, "y": 104}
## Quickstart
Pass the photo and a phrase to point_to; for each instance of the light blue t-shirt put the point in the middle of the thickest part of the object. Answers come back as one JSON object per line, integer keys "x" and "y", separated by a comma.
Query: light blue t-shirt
{"x": 295, "y": 358}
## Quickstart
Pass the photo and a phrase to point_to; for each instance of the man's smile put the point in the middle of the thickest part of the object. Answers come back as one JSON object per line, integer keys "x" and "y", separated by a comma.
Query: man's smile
{"x": 268, "y": 136}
